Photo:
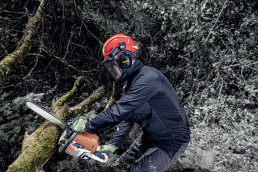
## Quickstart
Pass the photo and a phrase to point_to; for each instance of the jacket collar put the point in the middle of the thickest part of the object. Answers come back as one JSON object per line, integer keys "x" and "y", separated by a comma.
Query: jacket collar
{"x": 132, "y": 71}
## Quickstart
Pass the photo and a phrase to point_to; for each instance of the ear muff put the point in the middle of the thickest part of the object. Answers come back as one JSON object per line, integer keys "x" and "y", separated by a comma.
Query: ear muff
{"x": 125, "y": 61}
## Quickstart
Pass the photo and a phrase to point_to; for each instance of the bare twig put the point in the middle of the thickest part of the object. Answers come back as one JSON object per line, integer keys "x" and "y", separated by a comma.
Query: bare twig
{"x": 46, "y": 50}
{"x": 36, "y": 54}
{"x": 37, "y": 59}
{"x": 76, "y": 9}
{"x": 48, "y": 64}
{"x": 220, "y": 90}
{"x": 14, "y": 12}
{"x": 239, "y": 64}
{"x": 216, "y": 21}
{"x": 68, "y": 44}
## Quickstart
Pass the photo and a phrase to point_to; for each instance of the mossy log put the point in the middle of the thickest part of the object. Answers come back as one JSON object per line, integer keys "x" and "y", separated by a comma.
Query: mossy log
{"x": 38, "y": 147}
{"x": 23, "y": 48}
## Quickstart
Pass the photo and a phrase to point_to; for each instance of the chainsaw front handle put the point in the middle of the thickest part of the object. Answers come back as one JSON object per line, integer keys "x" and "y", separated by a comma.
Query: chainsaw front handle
{"x": 63, "y": 148}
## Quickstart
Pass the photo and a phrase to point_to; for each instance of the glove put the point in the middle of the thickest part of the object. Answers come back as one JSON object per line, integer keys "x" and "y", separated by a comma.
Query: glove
{"x": 107, "y": 149}
{"x": 79, "y": 124}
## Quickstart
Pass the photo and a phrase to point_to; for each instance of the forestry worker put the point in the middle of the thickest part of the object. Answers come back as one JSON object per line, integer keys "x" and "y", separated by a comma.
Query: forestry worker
{"x": 149, "y": 100}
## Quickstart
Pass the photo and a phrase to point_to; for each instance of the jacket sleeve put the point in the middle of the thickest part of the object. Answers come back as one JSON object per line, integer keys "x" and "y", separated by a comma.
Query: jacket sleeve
{"x": 123, "y": 129}
{"x": 146, "y": 85}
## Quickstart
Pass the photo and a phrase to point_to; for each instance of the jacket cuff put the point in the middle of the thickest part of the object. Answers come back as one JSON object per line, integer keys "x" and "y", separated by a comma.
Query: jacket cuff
{"x": 113, "y": 146}
{"x": 88, "y": 128}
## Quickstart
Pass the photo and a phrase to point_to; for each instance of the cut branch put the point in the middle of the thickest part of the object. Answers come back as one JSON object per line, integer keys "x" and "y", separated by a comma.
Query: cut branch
{"x": 11, "y": 60}
{"x": 38, "y": 147}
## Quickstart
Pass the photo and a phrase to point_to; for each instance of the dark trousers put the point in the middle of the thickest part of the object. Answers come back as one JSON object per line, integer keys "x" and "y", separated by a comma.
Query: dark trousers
{"x": 156, "y": 157}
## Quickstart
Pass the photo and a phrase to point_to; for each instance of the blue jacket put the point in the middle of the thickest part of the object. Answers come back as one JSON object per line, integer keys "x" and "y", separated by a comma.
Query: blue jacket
{"x": 149, "y": 100}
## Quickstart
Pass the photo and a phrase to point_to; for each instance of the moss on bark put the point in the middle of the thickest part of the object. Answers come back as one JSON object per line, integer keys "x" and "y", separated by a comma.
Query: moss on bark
{"x": 86, "y": 103}
{"x": 23, "y": 48}
{"x": 61, "y": 100}
{"x": 39, "y": 146}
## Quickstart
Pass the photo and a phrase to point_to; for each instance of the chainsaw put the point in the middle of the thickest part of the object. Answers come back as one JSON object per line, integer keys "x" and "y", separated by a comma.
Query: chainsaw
{"x": 78, "y": 144}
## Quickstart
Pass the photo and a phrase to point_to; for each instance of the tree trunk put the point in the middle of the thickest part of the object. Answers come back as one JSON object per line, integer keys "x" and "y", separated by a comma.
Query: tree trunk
{"x": 11, "y": 60}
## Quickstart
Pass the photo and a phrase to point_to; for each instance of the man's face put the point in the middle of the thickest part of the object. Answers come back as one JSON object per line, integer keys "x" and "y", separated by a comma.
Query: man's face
{"x": 113, "y": 69}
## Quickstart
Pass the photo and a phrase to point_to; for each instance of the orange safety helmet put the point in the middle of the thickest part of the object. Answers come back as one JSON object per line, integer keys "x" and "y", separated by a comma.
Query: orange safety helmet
{"x": 115, "y": 40}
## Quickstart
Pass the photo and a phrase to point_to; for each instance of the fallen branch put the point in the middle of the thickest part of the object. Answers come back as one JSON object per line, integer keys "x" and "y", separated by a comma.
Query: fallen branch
{"x": 11, "y": 60}
{"x": 69, "y": 94}
{"x": 86, "y": 103}
{"x": 38, "y": 147}
{"x": 112, "y": 99}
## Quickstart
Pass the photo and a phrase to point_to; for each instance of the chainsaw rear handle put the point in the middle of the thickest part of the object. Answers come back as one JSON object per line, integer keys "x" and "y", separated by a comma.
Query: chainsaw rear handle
{"x": 63, "y": 148}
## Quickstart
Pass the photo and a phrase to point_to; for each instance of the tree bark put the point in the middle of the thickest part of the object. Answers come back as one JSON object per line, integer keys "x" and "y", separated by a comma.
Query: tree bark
{"x": 38, "y": 147}
{"x": 11, "y": 60}
{"x": 112, "y": 99}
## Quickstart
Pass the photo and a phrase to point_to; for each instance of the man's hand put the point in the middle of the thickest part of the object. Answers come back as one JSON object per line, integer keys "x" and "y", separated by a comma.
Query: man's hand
{"x": 107, "y": 149}
{"x": 78, "y": 125}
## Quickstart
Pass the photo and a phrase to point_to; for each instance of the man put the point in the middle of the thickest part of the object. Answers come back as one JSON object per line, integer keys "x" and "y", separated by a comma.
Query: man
{"x": 149, "y": 100}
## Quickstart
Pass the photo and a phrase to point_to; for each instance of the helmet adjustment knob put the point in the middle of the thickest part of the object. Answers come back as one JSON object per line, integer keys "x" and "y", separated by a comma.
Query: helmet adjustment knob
{"x": 122, "y": 46}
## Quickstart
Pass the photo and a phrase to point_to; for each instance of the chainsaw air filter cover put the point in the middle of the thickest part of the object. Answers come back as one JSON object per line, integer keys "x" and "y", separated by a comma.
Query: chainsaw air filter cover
{"x": 85, "y": 140}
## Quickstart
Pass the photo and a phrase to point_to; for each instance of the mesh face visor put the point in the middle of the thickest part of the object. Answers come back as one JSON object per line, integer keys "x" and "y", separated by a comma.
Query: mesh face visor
{"x": 112, "y": 67}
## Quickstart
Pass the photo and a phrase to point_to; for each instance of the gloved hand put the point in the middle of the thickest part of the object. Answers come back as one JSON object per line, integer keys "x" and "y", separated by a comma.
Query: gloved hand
{"x": 78, "y": 125}
{"x": 107, "y": 149}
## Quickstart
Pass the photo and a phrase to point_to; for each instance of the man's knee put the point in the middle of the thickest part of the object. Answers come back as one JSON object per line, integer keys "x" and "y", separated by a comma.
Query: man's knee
{"x": 154, "y": 159}
{"x": 136, "y": 149}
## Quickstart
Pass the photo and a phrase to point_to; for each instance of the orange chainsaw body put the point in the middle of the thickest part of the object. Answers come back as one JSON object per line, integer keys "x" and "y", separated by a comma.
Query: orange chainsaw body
{"x": 89, "y": 141}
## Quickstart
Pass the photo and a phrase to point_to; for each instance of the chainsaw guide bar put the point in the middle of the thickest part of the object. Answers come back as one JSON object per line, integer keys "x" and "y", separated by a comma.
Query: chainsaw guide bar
{"x": 78, "y": 144}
